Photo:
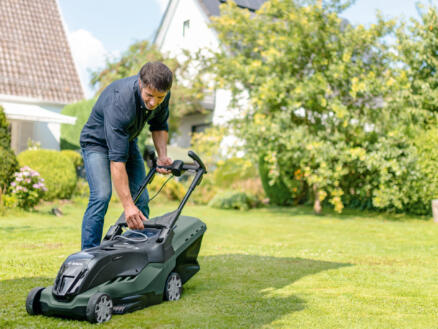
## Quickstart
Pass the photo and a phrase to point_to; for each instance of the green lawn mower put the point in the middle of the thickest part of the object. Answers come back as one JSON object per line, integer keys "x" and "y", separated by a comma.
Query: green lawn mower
{"x": 128, "y": 270}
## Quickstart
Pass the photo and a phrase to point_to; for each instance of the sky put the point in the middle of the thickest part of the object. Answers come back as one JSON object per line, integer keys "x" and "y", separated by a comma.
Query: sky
{"x": 100, "y": 29}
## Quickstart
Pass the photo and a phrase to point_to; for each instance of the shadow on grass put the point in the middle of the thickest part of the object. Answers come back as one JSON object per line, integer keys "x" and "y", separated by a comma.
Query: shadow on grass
{"x": 230, "y": 291}
{"x": 250, "y": 291}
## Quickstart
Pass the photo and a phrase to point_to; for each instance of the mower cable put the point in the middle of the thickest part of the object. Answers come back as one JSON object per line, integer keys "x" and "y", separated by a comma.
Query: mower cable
{"x": 171, "y": 176}
{"x": 143, "y": 239}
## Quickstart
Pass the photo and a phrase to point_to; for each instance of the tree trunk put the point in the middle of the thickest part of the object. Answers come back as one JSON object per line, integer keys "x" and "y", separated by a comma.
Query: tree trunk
{"x": 317, "y": 208}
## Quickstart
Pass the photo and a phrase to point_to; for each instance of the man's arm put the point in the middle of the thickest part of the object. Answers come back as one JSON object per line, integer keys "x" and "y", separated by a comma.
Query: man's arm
{"x": 134, "y": 217}
{"x": 160, "y": 138}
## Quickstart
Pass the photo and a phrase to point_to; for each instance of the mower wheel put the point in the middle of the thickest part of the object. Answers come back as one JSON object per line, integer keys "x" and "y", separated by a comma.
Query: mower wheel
{"x": 33, "y": 306}
{"x": 99, "y": 308}
{"x": 173, "y": 288}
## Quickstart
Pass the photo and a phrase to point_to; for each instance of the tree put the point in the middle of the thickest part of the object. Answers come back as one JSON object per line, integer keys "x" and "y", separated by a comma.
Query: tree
{"x": 186, "y": 91}
{"x": 9, "y": 163}
{"x": 417, "y": 52}
{"x": 318, "y": 90}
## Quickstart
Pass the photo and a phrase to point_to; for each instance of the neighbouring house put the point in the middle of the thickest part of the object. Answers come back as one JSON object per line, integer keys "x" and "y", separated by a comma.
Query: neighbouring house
{"x": 185, "y": 25}
{"x": 37, "y": 74}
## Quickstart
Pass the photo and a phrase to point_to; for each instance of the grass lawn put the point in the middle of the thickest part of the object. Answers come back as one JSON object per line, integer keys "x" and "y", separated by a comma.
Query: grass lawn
{"x": 266, "y": 268}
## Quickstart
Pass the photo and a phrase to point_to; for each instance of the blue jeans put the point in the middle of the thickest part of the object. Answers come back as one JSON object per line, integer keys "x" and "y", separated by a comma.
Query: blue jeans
{"x": 97, "y": 167}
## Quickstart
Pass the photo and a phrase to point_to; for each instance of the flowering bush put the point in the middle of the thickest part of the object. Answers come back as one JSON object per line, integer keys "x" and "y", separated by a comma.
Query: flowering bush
{"x": 28, "y": 187}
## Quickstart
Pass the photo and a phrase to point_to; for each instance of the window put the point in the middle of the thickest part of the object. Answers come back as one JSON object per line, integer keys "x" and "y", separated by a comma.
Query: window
{"x": 186, "y": 27}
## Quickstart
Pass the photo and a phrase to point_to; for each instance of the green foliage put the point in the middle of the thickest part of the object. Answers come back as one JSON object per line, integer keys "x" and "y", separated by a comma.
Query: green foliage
{"x": 185, "y": 97}
{"x": 425, "y": 181}
{"x": 232, "y": 170}
{"x": 57, "y": 170}
{"x": 416, "y": 49}
{"x": 75, "y": 157}
{"x": 173, "y": 190}
{"x": 8, "y": 164}
{"x": 82, "y": 189}
{"x": 208, "y": 143}
{"x": 233, "y": 200}
{"x": 28, "y": 188}
{"x": 70, "y": 133}
{"x": 276, "y": 191}
{"x": 205, "y": 192}
{"x": 5, "y": 135}
{"x": 321, "y": 99}
{"x": 9, "y": 201}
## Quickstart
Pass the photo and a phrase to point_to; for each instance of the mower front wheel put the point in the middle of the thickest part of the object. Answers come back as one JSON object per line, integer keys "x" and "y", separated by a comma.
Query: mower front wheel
{"x": 33, "y": 306}
{"x": 99, "y": 308}
{"x": 173, "y": 288}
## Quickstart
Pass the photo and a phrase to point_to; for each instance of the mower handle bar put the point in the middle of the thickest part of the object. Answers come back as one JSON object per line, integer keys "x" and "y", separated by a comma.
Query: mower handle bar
{"x": 177, "y": 168}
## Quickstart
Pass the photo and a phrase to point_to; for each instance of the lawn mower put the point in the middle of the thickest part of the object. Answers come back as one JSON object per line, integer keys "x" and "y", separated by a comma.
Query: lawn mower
{"x": 130, "y": 269}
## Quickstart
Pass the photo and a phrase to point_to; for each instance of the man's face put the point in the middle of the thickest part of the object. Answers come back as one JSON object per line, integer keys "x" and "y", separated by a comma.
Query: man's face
{"x": 152, "y": 97}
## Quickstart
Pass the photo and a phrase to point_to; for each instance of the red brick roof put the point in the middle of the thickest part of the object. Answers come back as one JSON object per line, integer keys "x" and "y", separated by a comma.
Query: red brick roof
{"x": 35, "y": 57}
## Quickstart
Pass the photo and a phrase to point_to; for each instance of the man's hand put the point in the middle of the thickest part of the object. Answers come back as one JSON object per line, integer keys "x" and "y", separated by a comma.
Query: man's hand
{"x": 134, "y": 217}
{"x": 164, "y": 161}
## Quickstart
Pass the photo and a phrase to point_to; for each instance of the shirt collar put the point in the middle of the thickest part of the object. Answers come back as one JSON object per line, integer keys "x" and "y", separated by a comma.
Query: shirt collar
{"x": 138, "y": 94}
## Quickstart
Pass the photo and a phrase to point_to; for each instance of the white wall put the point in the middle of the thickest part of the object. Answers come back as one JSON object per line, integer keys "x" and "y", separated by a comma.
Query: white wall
{"x": 198, "y": 36}
{"x": 185, "y": 129}
{"x": 42, "y": 129}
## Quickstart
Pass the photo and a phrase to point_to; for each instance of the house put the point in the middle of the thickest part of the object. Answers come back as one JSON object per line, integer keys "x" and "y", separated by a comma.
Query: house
{"x": 37, "y": 74}
{"x": 185, "y": 25}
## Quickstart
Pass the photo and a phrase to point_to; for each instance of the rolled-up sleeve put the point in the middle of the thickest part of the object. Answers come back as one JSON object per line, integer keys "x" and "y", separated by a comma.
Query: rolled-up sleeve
{"x": 116, "y": 121}
{"x": 159, "y": 121}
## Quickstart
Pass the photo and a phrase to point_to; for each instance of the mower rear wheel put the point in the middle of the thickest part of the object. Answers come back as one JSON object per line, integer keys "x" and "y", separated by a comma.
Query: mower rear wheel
{"x": 99, "y": 308}
{"x": 173, "y": 288}
{"x": 33, "y": 306}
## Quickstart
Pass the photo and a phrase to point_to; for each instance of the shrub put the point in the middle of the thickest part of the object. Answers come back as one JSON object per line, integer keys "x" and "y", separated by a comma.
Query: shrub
{"x": 82, "y": 189}
{"x": 233, "y": 200}
{"x": 277, "y": 191}
{"x": 56, "y": 169}
{"x": 5, "y": 135}
{"x": 8, "y": 166}
{"x": 9, "y": 201}
{"x": 74, "y": 156}
{"x": 234, "y": 169}
{"x": 205, "y": 191}
{"x": 426, "y": 184}
{"x": 70, "y": 133}
{"x": 173, "y": 190}
{"x": 77, "y": 160}
{"x": 252, "y": 186}
{"x": 28, "y": 188}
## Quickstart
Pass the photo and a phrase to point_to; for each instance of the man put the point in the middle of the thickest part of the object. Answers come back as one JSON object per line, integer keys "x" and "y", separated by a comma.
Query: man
{"x": 109, "y": 145}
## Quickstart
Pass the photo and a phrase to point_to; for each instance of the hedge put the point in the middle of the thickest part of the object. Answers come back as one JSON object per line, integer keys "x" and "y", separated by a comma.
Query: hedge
{"x": 56, "y": 168}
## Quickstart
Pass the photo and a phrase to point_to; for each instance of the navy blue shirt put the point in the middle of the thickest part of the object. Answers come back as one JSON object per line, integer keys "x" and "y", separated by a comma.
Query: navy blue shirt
{"x": 118, "y": 117}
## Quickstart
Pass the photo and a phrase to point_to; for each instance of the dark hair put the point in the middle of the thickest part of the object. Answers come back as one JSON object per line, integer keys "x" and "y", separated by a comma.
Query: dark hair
{"x": 156, "y": 75}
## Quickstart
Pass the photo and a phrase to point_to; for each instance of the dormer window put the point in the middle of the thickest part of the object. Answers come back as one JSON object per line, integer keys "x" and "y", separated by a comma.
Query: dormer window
{"x": 186, "y": 27}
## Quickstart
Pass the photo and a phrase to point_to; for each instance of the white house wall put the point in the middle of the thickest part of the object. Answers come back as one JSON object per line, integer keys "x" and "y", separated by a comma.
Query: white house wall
{"x": 48, "y": 134}
{"x": 198, "y": 36}
{"x": 185, "y": 128}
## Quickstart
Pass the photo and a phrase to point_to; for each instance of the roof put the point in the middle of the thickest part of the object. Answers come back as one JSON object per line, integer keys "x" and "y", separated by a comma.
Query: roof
{"x": 31, "y": 112}
{"x": 35, "y": 57}
{"x": 211, "y": 7}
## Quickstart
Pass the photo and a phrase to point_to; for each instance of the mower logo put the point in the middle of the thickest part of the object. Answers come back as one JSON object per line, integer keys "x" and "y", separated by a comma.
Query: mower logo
{"x": 75, "y": 264}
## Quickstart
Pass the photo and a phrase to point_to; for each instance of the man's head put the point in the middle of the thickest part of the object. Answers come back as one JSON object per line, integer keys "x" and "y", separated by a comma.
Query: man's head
{"x": 155, "y": 80}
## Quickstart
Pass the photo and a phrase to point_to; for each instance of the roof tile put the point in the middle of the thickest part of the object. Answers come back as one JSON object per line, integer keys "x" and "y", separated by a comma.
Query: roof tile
{"x": 35, "y": 57}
